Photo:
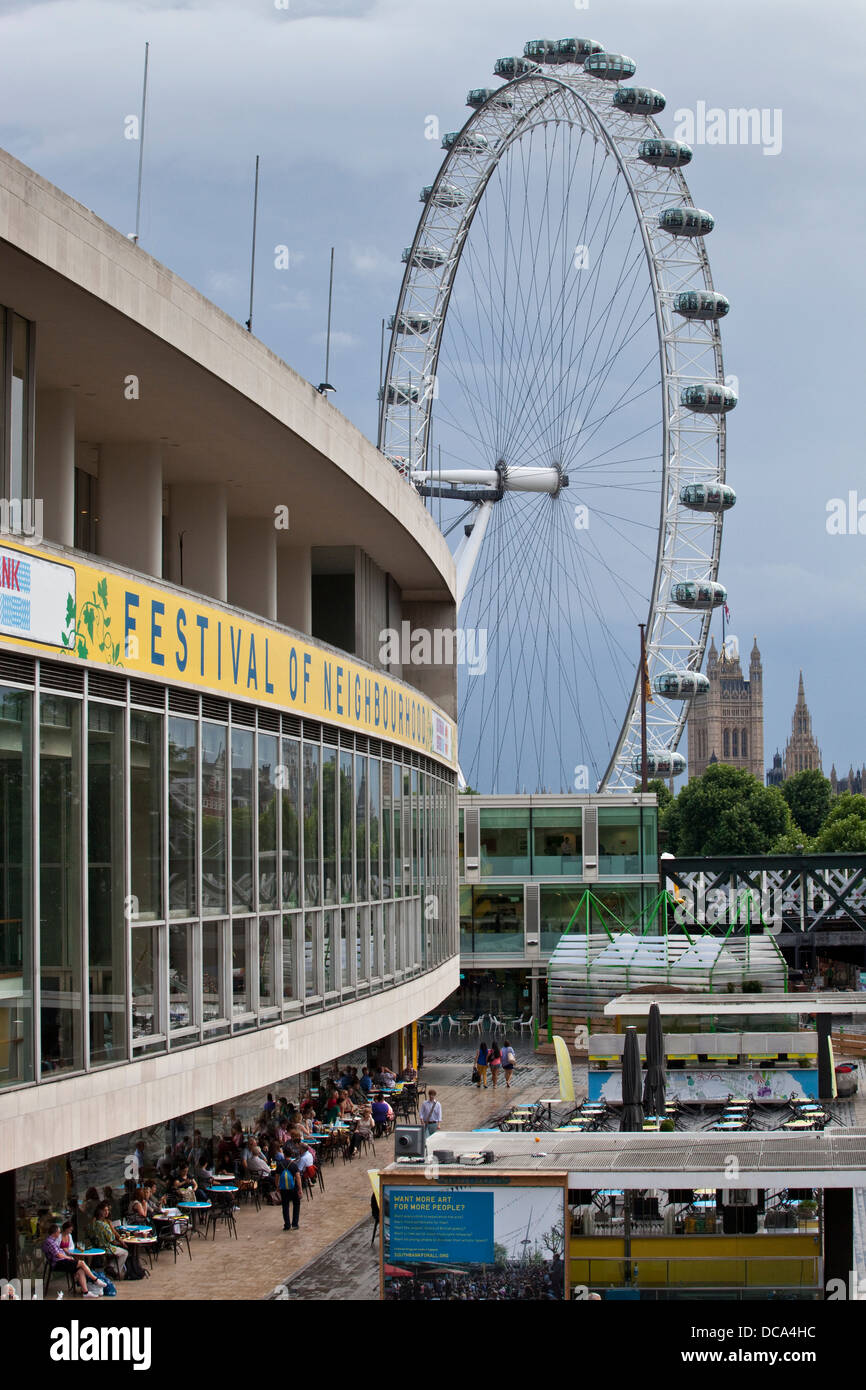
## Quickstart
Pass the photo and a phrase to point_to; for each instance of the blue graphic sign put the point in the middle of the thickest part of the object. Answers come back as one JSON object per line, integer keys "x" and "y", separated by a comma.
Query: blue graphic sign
{"x": 438, "y": 1226}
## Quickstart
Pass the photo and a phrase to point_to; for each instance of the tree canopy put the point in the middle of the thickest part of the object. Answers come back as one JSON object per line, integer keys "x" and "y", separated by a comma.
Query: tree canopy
{"x": 726, "y": 811}
{"x": 809, "y": 796}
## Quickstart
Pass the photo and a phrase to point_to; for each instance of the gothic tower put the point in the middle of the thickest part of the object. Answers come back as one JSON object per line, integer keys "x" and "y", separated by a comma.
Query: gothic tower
{"x": 728, "y": 721}
{"x": 801, "y": 751}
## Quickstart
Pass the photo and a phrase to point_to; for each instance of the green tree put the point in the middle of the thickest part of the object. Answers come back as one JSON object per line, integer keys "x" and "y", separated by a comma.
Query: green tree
{"x": 809, "y": 796}
{"x": 844, "y": 836}
{"x": 662, "y": 791}
{"x": 726, "y": 811}
{"x": 844, "y": 830}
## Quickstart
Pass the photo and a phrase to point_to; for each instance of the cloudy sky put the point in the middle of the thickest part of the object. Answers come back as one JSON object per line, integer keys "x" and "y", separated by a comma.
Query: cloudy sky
{"x": 333, "y": 94}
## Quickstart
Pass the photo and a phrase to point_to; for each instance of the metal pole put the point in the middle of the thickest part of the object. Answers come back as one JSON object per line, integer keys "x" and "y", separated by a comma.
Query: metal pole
{"x": 141, "y": 147}
{"x": 643, "y": 684}
{"x": 328, "y": 336}
{"x": 253, "y": 254}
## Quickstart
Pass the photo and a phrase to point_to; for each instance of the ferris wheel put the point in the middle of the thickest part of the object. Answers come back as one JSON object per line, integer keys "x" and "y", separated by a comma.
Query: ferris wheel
{"x": 555, "y": 388}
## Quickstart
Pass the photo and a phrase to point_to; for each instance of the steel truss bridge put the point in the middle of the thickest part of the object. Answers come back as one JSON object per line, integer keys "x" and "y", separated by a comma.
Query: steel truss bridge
{"x": 812, "y": 900}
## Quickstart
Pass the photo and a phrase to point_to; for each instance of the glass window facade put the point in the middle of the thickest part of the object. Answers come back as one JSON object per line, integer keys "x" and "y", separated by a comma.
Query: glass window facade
{"x": 195, "y": 874}
{"x": 505, "y": 840}
{"x": 541, "y": 841}
{"x": 106, "y": 928}
{"x": 16, "y": 929}
{"x": 494, "y": 918}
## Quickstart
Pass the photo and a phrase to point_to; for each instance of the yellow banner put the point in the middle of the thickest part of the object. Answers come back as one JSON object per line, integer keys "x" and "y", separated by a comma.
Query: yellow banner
{"x": 90, "y": 614}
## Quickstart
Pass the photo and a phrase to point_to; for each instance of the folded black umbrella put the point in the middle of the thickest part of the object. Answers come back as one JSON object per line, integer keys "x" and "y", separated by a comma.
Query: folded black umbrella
{"x": 654, "y": 1081}
{"x": 631, "y": 1118}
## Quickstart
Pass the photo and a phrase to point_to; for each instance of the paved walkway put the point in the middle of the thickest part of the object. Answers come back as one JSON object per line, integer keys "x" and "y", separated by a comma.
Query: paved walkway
{"x": 264, "y": 1256}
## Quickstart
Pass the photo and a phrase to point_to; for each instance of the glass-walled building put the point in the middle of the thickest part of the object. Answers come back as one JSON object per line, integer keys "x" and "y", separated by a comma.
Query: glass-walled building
{"x": 525, "y": 864}
{"x": 228, "y": 826}
{"x": 170, "y": 872}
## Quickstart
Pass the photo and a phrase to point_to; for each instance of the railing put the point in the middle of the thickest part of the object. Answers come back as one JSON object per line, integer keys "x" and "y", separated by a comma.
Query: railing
{"x": 747, "y": 1274}
{"x": 799, "y": 891}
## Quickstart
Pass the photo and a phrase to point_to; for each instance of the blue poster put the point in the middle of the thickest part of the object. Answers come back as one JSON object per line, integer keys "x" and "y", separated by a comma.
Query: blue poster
{"x": 440, "y": 1227}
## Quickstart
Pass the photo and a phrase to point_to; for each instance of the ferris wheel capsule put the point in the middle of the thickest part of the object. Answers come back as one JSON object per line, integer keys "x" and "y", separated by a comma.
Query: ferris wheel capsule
{"x": 665, "y": 154}
{"x": 701, "y": 304}
{"x": 660, "y": 765}
{"x": 699, "y": 593}
{"x": 708, "y": 497}
{"x": 680, "y": 685}
{"x": 495, "y": 95}
{"x": 540, "y": 50}
{"x": 715, "y": 398}
{"x": 575, "y": 50}
{"x": 410, "y": 323}
{"x": 467, "y": 142}
{"x": 610, "y": 67}
{"x": 447, "y": 195}
{"x": 512, "y": 67}
{"x": 401, "y": 393}
{"x": 425, "y": 257}
{"x": 686, "y": 221}
{"x": 639, "y": 101}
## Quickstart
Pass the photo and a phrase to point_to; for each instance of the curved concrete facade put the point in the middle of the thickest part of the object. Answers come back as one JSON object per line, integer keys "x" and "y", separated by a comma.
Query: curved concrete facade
{"x": 231, "y": 829}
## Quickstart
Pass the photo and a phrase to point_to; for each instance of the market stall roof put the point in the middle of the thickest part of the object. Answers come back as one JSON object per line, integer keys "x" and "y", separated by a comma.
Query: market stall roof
{"x": 774, "y": 1002}
{"x": 828, "y": 1158}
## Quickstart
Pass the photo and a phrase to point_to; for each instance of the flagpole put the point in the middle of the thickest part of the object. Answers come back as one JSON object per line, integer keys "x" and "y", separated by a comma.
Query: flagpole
{"x": 643, "y": 685}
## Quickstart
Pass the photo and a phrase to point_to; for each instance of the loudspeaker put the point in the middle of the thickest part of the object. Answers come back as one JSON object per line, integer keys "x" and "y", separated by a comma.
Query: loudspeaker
{"x": 408, "y": 1141}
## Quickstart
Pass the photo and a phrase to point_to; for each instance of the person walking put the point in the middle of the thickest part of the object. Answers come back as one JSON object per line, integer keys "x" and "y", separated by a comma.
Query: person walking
{"x": 431, "y": 1114}
{"x": 508, "y": 1060}
{"x": 289, "y": 1188}
{"x": 481, "y": 1065}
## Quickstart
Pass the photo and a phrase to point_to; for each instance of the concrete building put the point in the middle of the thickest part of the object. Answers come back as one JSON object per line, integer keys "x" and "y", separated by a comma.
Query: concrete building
{"x": 228, "y": 848}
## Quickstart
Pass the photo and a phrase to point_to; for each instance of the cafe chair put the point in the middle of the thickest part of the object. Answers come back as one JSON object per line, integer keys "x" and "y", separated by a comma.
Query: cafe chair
{"x": 171, "y": 1235}
{"x": 50, "y": 1269}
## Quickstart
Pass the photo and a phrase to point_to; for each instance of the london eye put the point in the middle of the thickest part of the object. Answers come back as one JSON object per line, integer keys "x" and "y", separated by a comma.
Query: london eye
{"x": 555, "y": 387}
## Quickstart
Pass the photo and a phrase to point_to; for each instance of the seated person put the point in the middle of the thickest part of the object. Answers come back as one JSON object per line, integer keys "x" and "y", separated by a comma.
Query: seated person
{"x": 104, "y": 1234}
{"x": 184, "y": 1187}
{"x": 382, "y": 1114}
{"x": 137, "y": 1213}
{"x": 58, "y": 1258}
{"x": 363, "y": 1130}
{"x": 258, "y": 1167}
{"x": 366, "y": 1082}
{"x": 409, "y": 1073}
{"x": 346, "y": 1105}
{"x": 152, "y": 1202}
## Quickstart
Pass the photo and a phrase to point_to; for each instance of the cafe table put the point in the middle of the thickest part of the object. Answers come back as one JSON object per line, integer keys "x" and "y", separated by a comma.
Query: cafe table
{"x": 194, "y": 1208}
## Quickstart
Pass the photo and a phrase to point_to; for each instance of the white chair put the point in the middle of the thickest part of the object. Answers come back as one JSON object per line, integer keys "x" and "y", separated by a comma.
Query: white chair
{"x": 477, "y": 1024}
{"x": 452, "y": 1024}
{"x": 496, "y": 1025}
{"x": 526, "y": 1023}
{"x": 436, "y": 1025}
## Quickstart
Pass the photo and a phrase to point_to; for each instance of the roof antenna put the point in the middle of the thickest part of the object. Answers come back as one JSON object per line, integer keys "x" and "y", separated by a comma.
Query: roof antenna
{"x": 134, "y": 236}
{"x": 253, "y": 254}
{"x": 325, "y": 386}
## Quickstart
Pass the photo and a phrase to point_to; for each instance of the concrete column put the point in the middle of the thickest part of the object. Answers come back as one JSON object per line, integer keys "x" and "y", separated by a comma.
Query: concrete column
{"x": 130, "y": 506}
{"x": 199, "y": 511}
{"x": 294, "y": 588}
{"x": 252, "y": 565}
{"x": 55, "y": 464}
